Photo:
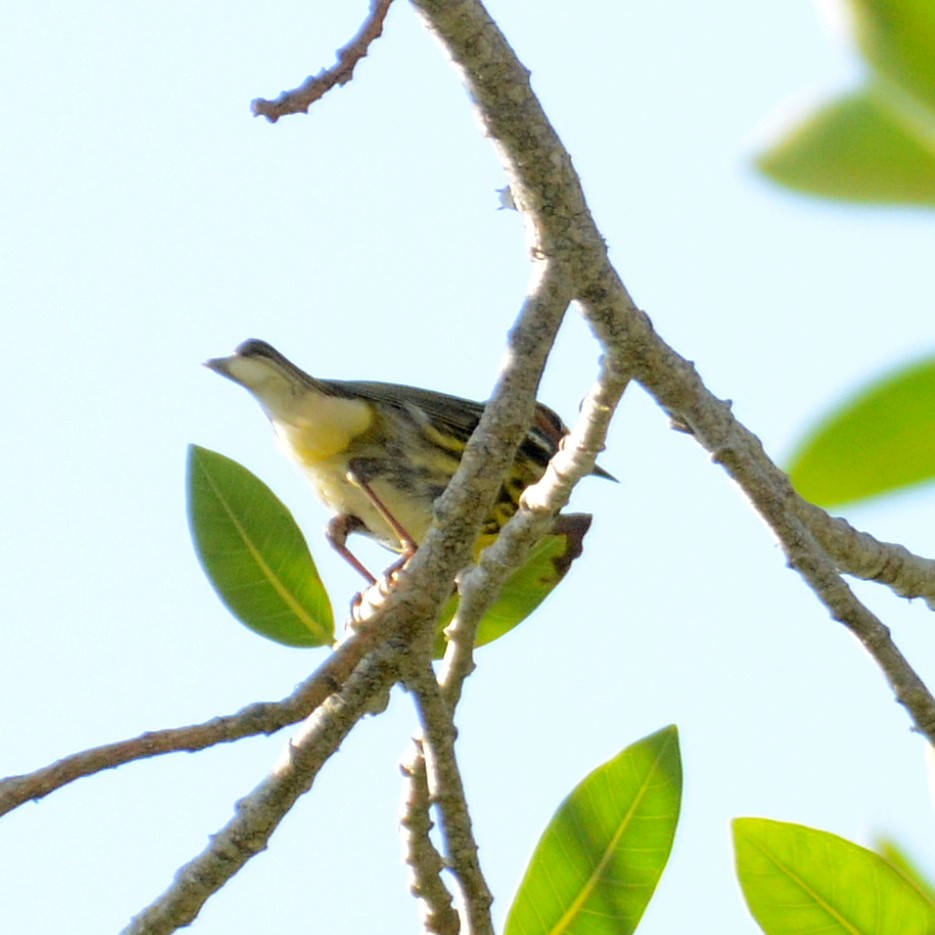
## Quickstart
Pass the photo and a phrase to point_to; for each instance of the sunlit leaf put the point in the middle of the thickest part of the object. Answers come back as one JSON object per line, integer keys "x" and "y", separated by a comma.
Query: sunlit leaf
{"x": 530, "y": 584}
{"x": 601, "y": 856}
{"x": 879, "y": 440}
{"x": 797, "y": 879}
{"x": 254, "y": 554}
{"x": 856, "y": 148}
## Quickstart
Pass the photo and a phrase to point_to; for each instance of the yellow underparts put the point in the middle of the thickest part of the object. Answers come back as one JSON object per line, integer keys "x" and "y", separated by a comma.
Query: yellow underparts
{"x": 325, "y": 429}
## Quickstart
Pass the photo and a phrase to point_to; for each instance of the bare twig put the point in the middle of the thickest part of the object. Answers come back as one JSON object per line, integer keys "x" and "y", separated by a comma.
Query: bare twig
{"x": 259, "y": 813}
{"x": 300, "y": 99}
{"x": 861, "y": 555}
{"x": 425, "y": 863}
{"x": 388, "y": 637}
{"x": 447, "y": 791}
{"x": 480, "y": 584}
{"x": 260, "y": 718}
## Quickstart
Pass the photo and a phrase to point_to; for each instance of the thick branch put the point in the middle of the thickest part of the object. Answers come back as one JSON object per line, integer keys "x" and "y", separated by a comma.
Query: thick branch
{"x": 548, "y": 193}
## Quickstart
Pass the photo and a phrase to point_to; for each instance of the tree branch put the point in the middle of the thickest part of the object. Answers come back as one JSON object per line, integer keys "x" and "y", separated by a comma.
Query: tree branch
{"x": 405, "y": 622}
{"x": 260, "y": 718}
{"x": 861, "y": 555}
{"x": 479, "y": 585}
{"x": 569, "y": 262}
{"x": 447, "y": 791}
{"x": 548, "y": 193}
{"x": 425, "y": 863}
{"x": 259, "y": 813}
{"x": 300, "y": 99}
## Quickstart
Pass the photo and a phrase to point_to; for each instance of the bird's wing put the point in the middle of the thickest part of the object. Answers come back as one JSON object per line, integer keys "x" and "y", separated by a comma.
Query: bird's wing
{"x": 460, "y": 416}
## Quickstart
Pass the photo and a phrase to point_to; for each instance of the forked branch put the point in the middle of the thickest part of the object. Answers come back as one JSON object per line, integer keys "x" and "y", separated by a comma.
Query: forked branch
{"x": 548, "y": 193}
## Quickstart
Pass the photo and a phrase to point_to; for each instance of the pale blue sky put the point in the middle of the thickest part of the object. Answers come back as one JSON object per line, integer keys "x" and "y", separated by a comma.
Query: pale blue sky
{"x": 148, "y": 222}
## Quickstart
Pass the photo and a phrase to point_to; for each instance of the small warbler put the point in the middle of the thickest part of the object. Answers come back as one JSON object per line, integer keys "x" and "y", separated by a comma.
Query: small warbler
{"x": 379, "y": 455}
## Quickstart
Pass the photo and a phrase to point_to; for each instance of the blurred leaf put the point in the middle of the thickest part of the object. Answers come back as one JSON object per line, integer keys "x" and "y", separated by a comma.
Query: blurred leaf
{"x": 601, "y": 856}
{"x": 855, "y": 148}
{"x": 254, "y": 554}
{"x": 797, "y": 879}
{"x": 900, "y": 861}
{"x": 879, "y": 440}
{"x": 897, "y": 37}
{"x": 529, "y": 585}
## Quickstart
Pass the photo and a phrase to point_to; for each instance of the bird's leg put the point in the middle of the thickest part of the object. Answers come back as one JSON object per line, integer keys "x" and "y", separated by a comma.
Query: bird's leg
{"x": 337, "y": 531}
{"x": 364, "y": 604}
{"x": 407, "y": 543}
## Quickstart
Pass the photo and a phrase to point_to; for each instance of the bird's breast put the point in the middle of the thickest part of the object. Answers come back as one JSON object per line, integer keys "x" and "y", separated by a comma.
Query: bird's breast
{"x": 327, "y": 429}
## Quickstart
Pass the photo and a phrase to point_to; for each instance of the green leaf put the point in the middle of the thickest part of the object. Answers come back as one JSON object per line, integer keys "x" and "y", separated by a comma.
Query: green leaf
{"x": 797, "y": 879}
{"x": 601, "y": 856}
{"x": 254, "y": 554}
{"x": 900, "y": 861}
{"x": 897, "y": 37}
{"x": 858, "y": 148}
{"x": 529, "y": 585}
{"x": 879, "y": 440}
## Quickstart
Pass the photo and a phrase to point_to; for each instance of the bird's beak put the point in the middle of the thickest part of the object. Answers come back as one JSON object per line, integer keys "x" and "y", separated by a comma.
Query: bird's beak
{"x": 221, "y": 365}
{"x": 249, "y": 372}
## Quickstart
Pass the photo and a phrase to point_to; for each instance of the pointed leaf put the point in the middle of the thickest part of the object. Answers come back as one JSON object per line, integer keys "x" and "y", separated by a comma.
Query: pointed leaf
{"x": 858, "y": 148}
{"x": 599, "y": 860}
{"x": 880, "y": 439}
{"x": 529, "y": 585}
{"x": 254, "y": 554}
{"x": 797, "y": 879}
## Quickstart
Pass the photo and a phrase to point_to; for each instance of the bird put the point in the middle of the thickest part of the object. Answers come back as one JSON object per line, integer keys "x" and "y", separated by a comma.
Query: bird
{"x": 380, "y": 454}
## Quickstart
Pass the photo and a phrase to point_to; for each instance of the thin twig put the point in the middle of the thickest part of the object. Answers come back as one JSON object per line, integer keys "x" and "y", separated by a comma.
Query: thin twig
{"x": 859, "y": 554}
{"x": 425, "y": 863}
{"x": 259, "y": 813}
{"x": 259, "y": 718}
{"x": 479, "y": 585}
{"x": 447, "y": 791}
{"x": 388, "y": 636}
{"x": 300, "y": 99}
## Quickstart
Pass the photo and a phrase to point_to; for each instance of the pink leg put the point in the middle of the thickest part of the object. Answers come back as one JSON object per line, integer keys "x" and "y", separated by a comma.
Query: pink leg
{"x": 337, "y": 531}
